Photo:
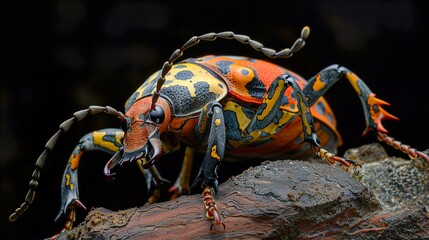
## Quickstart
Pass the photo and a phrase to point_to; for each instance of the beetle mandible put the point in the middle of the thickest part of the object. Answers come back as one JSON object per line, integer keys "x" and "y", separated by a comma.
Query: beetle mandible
{"x": 228, "y": 107}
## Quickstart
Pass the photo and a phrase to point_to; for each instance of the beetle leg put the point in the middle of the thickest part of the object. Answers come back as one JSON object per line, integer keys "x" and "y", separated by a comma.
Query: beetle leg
{"x": 181, "y": 186}
{"x": 154, "y": 182}
{"x": 270, "y": 105}
{"x": 211, "y": 209}
{"x": 107, "y": 140}
{"x": 374, "y": 113}
{"x": 211, "y": 128}
{"x": 310, "y": 135}
{"x": 372, "y": 106}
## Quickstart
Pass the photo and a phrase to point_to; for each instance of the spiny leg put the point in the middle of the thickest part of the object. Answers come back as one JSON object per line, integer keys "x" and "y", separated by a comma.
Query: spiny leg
{"x": 181, "y": 186}
{"x": 372, "y": 106}
{"x": 211, "y": 129}
{"x": 154, "y": 181}
{"x": 270, "y": 106}
{"x": 107, "y": 140}
{"x": 49, "y": 146}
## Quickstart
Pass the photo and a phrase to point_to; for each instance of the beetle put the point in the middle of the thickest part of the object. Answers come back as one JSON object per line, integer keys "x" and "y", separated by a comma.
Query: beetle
{"x": 226, "y": 107}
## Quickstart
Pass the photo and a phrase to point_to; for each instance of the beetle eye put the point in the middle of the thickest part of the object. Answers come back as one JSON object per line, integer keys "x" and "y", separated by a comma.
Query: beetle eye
{"x": 157, "y": 115}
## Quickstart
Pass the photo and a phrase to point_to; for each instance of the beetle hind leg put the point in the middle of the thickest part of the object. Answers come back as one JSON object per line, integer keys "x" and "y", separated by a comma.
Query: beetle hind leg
{"x": 266, "y": 119}
{"x": 372, "y": 106}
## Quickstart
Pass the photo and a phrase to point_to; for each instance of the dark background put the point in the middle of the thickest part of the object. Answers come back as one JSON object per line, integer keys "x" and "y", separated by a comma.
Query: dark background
{"x": 63, "y": 56}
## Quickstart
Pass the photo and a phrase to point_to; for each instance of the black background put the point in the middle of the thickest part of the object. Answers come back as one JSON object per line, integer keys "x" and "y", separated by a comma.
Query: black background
{"x": 63, "y": 56}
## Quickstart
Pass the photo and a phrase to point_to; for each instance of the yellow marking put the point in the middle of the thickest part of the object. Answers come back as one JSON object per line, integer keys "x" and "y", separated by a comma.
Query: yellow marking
{"x": 354, "y": 79}
{"x": 218, "y": 122}
{"x": 216, "y": 86}
{"x": 318, "y": 84}
{"x": 304, "y": 117}
{"x": 271, "y": 129}
{"x": 68, "y": 184}
{"x": 214, "y": 153}
{"x": 203, "y": 125}
{"x": 98, "y": 140}
{"x": 270, "y": 102}
{"x": 238, "y": 80}
{"x": 74, "y": 160}
{"x": 119, "y": 136}
{"x": 200, "y": 75}
{"x": 243, "y": 120}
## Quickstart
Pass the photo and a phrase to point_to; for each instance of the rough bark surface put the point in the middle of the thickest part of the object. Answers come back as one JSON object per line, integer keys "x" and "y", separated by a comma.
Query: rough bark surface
{"x": 276, "y": 200}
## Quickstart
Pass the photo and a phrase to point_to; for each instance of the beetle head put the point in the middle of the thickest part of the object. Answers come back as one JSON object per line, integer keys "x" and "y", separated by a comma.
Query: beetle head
{"x": 142, "y": 126}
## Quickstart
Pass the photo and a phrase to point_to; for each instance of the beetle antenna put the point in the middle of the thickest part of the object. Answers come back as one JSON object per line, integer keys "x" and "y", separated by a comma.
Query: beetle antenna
{"x": 284, "y": 53}
{"x": 50, "y": 144}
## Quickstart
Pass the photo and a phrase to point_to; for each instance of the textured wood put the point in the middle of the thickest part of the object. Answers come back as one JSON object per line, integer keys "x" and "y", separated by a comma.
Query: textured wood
{"x": 276, "y": 200}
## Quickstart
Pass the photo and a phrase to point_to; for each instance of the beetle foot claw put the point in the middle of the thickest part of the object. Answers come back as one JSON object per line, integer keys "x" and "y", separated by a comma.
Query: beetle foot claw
{"x": 71, "y": 218}
{"x": 70, "y": 207}
{"x": 216, "y": 218}
{"x": 78, "y": 203}
{"x": 217, "y": 224}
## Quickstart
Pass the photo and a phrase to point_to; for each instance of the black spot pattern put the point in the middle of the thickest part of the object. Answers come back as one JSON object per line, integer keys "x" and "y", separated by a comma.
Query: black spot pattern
{"x": 184, "y": 75}
{"x": 231, "y": 123}
{"x": 285, "y": 100}
{"x": 248, "y": 112}
{"x": 224, "y": 66}
{"x": 179, "y": 96}
{"x": 182, "y": 101}
{"x": 256, "y": 88}
{"x": 244, "y": 72}
{"x": 203, "y": 95}
{"x": 320, "y": 107}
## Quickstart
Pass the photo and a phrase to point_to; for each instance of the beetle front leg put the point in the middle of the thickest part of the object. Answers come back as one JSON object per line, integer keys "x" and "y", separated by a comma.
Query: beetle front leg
{"x": 211, "y": 128}
{"x": 107, "y": 140}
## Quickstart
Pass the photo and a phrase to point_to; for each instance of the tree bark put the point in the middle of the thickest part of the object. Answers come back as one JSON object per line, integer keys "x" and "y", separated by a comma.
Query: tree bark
{"x": 276, "y": 200}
